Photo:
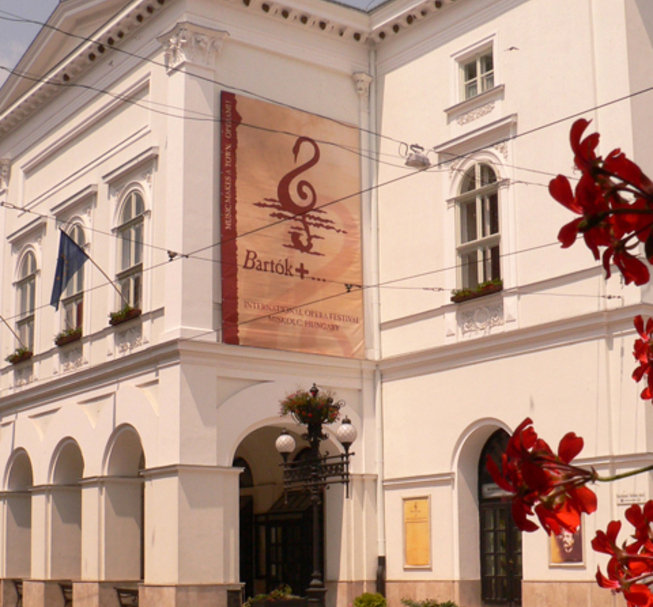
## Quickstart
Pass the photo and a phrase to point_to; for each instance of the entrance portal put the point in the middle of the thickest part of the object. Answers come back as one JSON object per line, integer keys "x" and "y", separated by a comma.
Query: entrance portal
{"x": 276, "y": 545}
{"x": 501, "y": 551}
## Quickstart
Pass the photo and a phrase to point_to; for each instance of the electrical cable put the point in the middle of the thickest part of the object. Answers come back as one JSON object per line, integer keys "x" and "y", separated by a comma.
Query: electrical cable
{"x": 13, "y": 18}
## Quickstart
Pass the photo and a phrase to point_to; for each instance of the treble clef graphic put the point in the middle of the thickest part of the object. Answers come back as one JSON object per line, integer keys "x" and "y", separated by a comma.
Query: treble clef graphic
{"x": 304, "y": 188}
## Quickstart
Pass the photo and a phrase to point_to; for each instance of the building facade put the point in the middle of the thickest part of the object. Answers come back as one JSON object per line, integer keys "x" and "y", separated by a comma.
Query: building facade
{"x": 137, "y": 447}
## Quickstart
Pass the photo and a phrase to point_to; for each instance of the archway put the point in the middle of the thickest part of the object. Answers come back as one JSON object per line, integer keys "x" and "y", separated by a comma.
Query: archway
{"x": 124, "y": 507}
{"x": 18, "y": 525}
{"x": 66, "y": 512}
{"x": 280, "y": 527}
{"x": 501, "y": 547}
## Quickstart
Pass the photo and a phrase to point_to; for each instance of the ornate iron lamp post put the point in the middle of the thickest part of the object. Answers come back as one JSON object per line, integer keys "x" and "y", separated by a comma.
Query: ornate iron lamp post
{"x": 314, "y": 473}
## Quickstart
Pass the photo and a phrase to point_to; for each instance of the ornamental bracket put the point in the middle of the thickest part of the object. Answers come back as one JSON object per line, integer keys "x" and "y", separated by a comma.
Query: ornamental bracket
{"x": 191, "y": 43}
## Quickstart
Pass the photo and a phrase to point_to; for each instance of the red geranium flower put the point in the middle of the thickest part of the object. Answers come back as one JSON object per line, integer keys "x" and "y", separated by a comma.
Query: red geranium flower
{"x": 630, "y": 568}
{"x": 643, "y": 353}
{"x": 614, "y": 199}
{"x": 543, "y": 483}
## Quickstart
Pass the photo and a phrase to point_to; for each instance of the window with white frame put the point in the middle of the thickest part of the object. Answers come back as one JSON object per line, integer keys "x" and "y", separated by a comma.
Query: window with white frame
{"x": 130, "y": 243}
{"x": 479, "y": 233}
{"x": 26, "y": 291}
{"x": 73, "y": 296}
{"x": 477, "y": 74}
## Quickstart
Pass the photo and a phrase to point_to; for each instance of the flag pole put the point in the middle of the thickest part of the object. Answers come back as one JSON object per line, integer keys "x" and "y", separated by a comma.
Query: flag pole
{"x": 66, "y": 238}
{"x": 20, "y": 341}
{"x": 113, "y": 284}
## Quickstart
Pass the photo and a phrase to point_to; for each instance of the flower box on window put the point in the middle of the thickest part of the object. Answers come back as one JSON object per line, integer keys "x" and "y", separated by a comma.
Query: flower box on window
{"x": 67, "y": 336}
{"x": 123, "y": 315}
{"x": 20, "y": 355}
{"x": 485, "y": 288}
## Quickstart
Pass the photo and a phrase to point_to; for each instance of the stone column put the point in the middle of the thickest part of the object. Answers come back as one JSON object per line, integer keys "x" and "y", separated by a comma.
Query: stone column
{"x": 191, "y": 536}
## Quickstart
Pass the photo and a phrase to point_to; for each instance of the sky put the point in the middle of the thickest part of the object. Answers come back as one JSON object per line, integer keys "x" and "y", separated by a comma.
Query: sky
{"x": 16, "y": 36}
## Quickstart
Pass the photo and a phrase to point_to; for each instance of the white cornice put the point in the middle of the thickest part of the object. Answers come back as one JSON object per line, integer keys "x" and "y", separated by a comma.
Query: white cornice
{"x": 561, "y": 333}
{"x": 319, "y": 16}
{"x": 119, "y": 28}
{"x": 233, "y": 361}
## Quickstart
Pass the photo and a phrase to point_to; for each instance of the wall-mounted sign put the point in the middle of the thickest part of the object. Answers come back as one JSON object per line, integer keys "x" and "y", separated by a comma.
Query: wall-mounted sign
{"x": 417, "y": 532}
{"x": 290, "y": 230}
{"x": 629, "y": 498}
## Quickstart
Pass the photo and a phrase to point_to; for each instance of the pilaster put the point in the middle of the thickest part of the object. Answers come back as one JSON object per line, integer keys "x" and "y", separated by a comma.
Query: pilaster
{"x": 191, "y": 526}
{"x": 191, "y": 54}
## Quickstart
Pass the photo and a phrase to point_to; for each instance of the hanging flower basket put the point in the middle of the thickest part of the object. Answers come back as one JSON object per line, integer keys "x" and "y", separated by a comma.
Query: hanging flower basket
{"x": 67, "y": 336}
{"x": 19, "y": 356}
{"x": 485, "y": 288}
{"x": 123, "y": 315}
{"x": 311, "y": 407}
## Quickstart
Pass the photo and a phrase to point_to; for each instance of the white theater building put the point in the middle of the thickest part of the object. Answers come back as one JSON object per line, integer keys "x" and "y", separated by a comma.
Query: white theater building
{"x": 142, "y": 455}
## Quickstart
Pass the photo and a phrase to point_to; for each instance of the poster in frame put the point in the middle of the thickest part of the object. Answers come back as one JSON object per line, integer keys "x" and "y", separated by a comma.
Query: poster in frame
{"x": 566, "y": 548}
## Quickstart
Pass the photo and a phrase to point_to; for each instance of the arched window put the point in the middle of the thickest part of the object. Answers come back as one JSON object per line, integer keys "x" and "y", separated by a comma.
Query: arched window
{"x": 73, "y": 296}
{"x": 26, "y": 300}
{"x": 479, "y": 232}
{"x": 130, "y": 241}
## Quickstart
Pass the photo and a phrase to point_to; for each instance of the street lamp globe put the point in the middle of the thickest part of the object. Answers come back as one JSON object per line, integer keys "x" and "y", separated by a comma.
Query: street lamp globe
{"x": 346, "y": 434}
{"x": 285, "y": 444}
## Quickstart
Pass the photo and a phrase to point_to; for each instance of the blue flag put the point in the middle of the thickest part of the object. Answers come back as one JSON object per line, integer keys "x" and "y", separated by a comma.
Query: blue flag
{"x": 71, "y": 258}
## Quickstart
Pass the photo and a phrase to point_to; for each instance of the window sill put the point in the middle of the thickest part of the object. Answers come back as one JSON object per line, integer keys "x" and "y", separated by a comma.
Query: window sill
{"x": 461, "y": 111}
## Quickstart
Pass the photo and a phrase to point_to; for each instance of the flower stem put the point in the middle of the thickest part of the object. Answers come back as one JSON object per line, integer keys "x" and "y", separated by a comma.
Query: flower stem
{"x": 616, "y": 477}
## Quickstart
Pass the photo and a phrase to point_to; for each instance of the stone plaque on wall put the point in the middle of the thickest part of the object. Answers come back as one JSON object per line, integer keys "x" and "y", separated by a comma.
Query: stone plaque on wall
{"x": 417, "y": 532}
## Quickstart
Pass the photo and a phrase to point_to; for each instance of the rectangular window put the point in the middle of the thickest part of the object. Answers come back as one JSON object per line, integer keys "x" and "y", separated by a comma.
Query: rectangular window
{"x": 478, "y": 74}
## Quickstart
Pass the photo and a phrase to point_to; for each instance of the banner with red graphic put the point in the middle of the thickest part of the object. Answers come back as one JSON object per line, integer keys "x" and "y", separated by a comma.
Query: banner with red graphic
{"x": 290, "y": 230}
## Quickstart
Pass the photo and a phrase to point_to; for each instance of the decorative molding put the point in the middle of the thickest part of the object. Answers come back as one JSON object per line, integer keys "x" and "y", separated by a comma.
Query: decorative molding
{"x": 148, "y": 155}
{"x": 475, "y": 114}
{"x": 468, "y": 106}
{"x": 191, "y": 43}
{"x": 77, "y": 198}
{"x": 71, "y": 360}
{"x": 430, "y": 480}
{"x": 24, "y": 376}
{"x": 489, "y": 134}
{"x": 362, "y": 82}
{"x": 502, "y": 148}
{"x": 5, "y": 173}
{"x": 481, "y": 319}
{"x": 127, "y": 340}
{"x": 29, "y": 229}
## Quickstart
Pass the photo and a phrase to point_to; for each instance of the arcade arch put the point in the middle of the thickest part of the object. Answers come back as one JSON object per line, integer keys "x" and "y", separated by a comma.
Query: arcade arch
{"x": 66, "y": 512}
{"x": 124, "y": 506}
{"x": 18, "y": 512}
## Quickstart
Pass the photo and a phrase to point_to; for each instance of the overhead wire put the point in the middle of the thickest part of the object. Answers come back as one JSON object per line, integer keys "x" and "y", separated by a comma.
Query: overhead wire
{"x": 213, "y": 119}
{"x": 13, "y": 17}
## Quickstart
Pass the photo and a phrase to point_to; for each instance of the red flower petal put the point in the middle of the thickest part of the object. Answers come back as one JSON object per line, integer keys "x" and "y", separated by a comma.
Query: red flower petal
{"x": 570, "y": 446}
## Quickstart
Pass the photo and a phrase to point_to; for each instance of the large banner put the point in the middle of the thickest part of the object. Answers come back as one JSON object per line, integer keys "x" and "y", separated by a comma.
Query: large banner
{"x": 290, "y": 222}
